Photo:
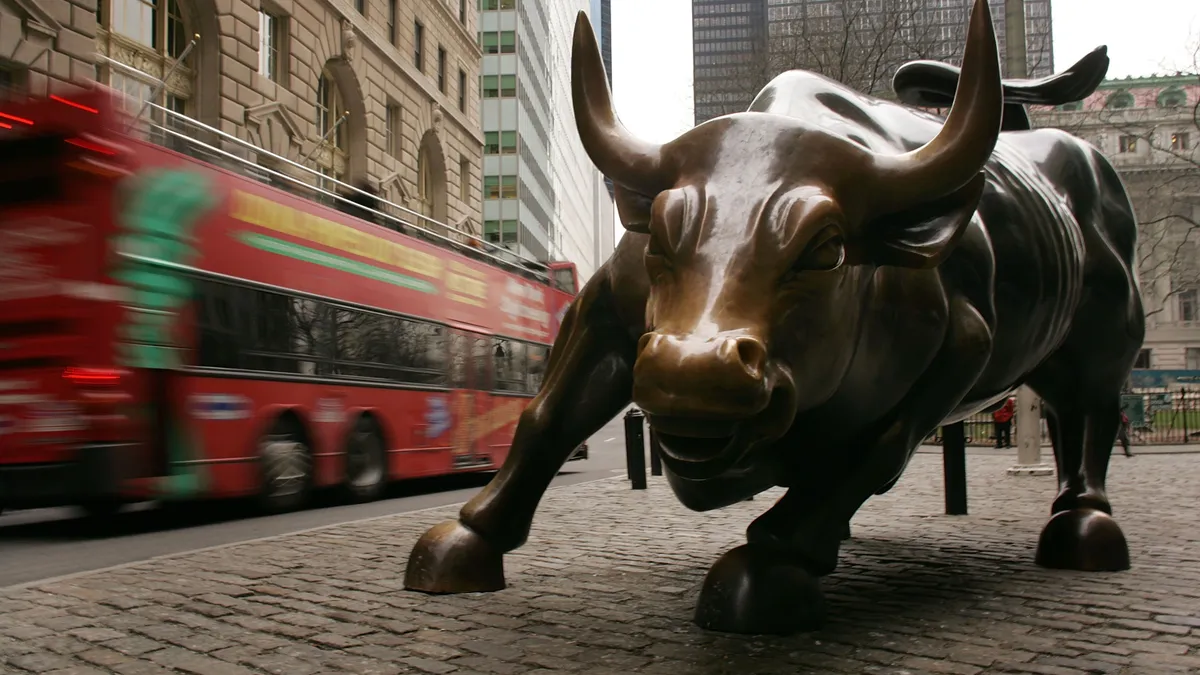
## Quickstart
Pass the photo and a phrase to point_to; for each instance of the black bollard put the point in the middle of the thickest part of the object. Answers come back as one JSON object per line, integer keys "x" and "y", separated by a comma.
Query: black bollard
{"x": 655, "y": 455}
{"x": 635, "y": 449}
{"x": 954, "y": 468}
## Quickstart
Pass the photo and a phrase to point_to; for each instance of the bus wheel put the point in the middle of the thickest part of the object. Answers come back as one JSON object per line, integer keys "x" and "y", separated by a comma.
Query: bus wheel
{"x": 286, "y": 467}
{"x": 366, "y": 462}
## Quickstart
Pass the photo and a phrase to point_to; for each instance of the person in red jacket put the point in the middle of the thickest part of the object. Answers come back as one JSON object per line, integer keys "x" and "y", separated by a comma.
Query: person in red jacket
{"x": 1002, "y": 421}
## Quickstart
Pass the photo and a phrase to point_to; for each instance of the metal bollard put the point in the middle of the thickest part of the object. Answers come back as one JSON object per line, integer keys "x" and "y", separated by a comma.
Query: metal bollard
{"x": 635, "y": 449}
{"x": 655, "y": 454}
{"x": 954, "y": 468}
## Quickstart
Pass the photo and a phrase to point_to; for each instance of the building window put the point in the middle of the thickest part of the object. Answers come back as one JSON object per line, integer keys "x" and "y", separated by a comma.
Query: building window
{"x": 1172, "y": 97}
{"x": 1143, "y": 359}
{"x": 1192, "y": 355}
{"x": 159, "y": 34}
{"x": 500, "y": 187}
{"x": 464, "y": 179}
{"x": 1188, "y": 305}
{"x": 360, "y": 6}
{"x": 498, "y": 4}
{"x": 503, "y": 232}
{"x": 1128, "y": 144}
{"x": 392, "y": 130}
{"x": 271, "y": 32}
{"x": 499, "y": 142}
{"x": 10, "y": 83}
{"x": 499, "y": 86}
{"x": 330, "y": 109}
{"x": 136, "y": 91}
{"x": 391, "y": 22}
{"x": 503, "y": 42}
{"x": 1180, "y": 140}
{"x": 419, "y": 45}
{"x": 441, "y": 71}
{"x": 462, "y": 90}
{"x": 462, "y": 12}
{"x": 1119, "y": 100}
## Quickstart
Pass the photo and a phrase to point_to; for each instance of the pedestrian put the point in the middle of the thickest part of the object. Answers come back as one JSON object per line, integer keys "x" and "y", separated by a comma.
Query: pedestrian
{"x": 1123, "y": 433}
{"x": 1002, "y": 422}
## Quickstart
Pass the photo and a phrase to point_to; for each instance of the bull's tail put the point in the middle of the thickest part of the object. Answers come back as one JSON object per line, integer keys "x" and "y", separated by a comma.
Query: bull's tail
{"x": 932, "y": 84}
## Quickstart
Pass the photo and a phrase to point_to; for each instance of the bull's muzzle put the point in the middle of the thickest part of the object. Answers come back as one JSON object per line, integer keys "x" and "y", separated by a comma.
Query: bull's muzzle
{"x": 721, "y": 379}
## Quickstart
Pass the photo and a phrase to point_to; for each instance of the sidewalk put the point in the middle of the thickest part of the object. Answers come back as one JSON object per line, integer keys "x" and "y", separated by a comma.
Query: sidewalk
{"x": 1048, "y": 450}
{"x": 608, "y": 581}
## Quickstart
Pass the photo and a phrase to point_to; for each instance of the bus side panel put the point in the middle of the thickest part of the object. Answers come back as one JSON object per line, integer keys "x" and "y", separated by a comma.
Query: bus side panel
{"x": 501, "y": 423}
{"x": 227, "y": 416}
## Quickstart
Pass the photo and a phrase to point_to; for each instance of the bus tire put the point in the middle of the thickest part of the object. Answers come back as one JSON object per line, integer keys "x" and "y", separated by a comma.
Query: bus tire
{"x": 366, "y": 461}
{"x": 287, "y": 467}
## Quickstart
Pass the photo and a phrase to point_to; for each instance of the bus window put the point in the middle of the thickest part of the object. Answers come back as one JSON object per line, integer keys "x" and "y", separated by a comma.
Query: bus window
{"x": 510, "y": 365}
{"x": 537, "y": 367}
{"x": 564, "y": 280}
{"x": 459, "y": 356}
{"x": 483, "y": 362}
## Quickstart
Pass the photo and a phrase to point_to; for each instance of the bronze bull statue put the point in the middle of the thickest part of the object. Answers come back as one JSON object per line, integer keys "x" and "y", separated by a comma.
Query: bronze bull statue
{"x": 807, "y": 290}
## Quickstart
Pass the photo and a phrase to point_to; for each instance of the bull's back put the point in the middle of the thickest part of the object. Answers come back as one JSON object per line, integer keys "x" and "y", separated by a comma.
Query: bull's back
{"x": 1057, "y": 225}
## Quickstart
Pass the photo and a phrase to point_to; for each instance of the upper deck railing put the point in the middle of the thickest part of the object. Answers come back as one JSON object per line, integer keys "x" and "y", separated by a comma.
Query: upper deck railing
{"x": 183, "y": 134}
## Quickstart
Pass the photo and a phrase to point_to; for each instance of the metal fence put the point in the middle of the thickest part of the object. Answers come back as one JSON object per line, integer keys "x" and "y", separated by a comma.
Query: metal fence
{"x": 1156, "y": 417}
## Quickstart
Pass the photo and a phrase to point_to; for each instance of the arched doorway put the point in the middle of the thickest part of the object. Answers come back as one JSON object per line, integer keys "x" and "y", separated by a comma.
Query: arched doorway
{"x": 431, "y": 178}
{"x": 145, "y": 38}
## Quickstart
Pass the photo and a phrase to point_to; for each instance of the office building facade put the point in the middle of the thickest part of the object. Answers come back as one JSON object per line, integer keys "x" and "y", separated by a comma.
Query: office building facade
{"x": 539, "y": 187}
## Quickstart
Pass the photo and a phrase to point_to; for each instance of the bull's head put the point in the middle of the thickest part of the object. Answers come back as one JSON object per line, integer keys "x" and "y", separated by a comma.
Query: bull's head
{"x": 763, "y": 230}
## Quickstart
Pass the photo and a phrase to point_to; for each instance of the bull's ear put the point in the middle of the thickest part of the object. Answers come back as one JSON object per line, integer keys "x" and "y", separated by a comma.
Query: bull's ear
{"x": 924, "y": 235}
{"x": 633, "y": 208}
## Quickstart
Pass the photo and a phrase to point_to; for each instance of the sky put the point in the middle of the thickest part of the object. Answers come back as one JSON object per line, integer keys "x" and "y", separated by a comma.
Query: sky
{"x": 652, "y": 51}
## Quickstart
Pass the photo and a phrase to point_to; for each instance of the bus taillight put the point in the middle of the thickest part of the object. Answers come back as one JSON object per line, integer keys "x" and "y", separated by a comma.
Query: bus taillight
{"x": 93, "y": 377}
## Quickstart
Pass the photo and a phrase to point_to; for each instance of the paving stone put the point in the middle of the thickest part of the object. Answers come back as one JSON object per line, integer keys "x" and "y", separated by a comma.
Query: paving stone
{"x": 607, "y": 584}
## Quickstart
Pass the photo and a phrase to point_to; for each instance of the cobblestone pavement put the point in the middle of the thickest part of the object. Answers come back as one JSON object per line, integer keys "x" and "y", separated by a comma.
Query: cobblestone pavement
{"x": 607, "y": 582}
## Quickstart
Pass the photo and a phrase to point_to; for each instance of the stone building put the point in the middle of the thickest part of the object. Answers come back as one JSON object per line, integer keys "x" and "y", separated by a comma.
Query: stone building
{"x": 1149, "y": 130}
{"x": 281, "y": 73}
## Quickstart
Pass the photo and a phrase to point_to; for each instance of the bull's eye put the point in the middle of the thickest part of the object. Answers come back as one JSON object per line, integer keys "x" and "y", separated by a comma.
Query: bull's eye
{"x": 826, "y": 251}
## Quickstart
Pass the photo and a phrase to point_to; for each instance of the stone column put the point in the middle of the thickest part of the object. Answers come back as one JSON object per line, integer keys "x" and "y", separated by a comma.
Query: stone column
{"x": 1029, "y": 436}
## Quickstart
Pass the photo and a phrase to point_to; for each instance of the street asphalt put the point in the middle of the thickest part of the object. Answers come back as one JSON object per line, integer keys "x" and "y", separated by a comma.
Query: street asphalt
{"x": 46, "y": 543}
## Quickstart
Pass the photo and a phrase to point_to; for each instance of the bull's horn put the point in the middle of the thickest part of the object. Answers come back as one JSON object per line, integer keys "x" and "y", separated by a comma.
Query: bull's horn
{"x": 966, "y": 140}
{"x": 616, "y": 152}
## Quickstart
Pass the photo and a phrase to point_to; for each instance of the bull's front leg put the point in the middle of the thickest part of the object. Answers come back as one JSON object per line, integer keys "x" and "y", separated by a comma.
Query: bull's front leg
{"x": 770, "y": 584}
{"x": 588, "y": 381}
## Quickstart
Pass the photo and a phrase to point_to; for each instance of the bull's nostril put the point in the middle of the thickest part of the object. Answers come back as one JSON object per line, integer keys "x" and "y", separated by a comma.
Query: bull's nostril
{"x": 752, "y": 354}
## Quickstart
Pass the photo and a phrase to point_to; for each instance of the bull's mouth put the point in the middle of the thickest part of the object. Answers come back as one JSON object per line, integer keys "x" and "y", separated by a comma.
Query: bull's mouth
{"x": 699, "y": 448}
{"x": 697, "y": 457}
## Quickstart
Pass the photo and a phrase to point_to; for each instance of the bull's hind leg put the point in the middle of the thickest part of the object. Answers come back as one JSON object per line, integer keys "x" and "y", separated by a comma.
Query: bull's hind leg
{"x": 1081, "y": 533}
{"x": 769, "y": 585}
{"x": 1081, "y": 385}
{"x": 588, "y": 381}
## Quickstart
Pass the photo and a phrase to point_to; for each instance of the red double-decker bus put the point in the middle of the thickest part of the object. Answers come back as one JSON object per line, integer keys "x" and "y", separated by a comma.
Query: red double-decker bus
{"x": 178, "y": 323}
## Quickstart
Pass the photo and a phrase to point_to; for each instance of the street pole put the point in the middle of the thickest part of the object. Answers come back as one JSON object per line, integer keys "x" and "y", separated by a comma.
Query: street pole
{"x": 1029, "y": 436}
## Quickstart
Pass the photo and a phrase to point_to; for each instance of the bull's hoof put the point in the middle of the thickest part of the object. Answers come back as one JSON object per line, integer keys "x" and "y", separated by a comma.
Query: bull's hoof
{"x": 451, "y": 558}
{"x": 754, "y": 590}
{"x": 1083, "y": 539}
